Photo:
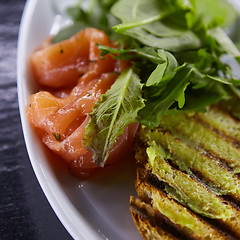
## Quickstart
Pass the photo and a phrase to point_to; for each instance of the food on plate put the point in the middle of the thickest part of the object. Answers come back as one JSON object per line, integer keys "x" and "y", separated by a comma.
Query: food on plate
{"x": 60, "y": 113}
{"x": 166, "y": 60}
{"x": 187, "y": 177}
{"x": 168, "y": 68}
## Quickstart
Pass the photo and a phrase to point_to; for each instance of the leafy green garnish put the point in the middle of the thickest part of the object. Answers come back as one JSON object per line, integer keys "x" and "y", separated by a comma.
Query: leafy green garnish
{"x": 127, "y": 54}
{"x": 88, "y": 13}
{"x": 57, "y": 136}
{"x": 157, "y": 106}
{"x": 177, "y": 50}
{"x": 117, "y": 108}
{"x": 163, "y": 72}
{"x": 136, "y": 16}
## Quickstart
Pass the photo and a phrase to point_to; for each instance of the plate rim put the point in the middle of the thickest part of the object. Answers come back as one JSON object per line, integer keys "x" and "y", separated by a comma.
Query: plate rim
{"x": 84, "y": 231}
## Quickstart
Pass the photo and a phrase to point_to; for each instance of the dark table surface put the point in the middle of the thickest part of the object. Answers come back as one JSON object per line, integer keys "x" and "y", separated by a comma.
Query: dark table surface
{"x": 24, "y": 211}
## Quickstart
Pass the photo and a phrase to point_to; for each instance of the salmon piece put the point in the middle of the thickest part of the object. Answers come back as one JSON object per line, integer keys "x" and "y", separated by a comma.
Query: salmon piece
{"x": 62, "y": 64}
{"x": 60, "y": 116}
{"x": 82, "y": 164}
{"x": 41, "y": 105}
{"x": 78, "y": 104}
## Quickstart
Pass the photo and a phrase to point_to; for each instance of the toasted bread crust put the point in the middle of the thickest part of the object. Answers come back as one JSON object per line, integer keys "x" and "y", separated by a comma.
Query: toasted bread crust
{"x": 143, "y": 216}
{"x": 154, "y": 224}
{"x": 150, "y": 194}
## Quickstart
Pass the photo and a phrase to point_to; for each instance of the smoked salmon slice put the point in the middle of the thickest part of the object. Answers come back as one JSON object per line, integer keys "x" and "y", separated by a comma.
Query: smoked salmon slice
{"x": 60, "y": 119}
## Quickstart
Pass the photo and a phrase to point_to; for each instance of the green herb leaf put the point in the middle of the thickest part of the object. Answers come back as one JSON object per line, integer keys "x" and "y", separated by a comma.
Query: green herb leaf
{"x": 140, "y": 21}
{"x": 148, "y": 53}
{"x": 117, "y": 108}
{"x": 177, "y": 49}
{"x": 225, "y": 42}
{"x": 68, "y": 32}
{"x": 216, "y": 12}
{"x": 57, "y": 136}
{"x": 157, "y": 75}
{"x": 165, "y": 71}
{"x": 156, "y": 107}
{"x": 219, "y": 79}
{"x": 88, "y": 13}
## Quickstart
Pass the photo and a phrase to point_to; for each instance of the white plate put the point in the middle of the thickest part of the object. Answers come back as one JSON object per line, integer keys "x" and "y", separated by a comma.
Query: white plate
{"x": 93, "y": 209}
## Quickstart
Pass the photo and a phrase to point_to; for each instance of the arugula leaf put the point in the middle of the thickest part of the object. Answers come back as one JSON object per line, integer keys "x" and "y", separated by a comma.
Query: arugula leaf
{"x": 126, "y": 54}
{"x": 157, "y": 75}
{"x": 219, "y": 79}
{"x": 139, "y": 22}
{"x": 156, "y": 107}
{"x": 163, "y": 72}
{"x": 88, "y": 13}
{"x": 235, "y": 90}
{"x": 123, "y": 27}
{"x": 216, "y": 12}
{"x": 186, "y": 41}
{"x": 117, "y": 108}
{"x": 178, "y": 26}
{"x": 225, "y": 42}
{"x": 177, "y": 50}
{"x": 198, "y": 100}
{"x": 68, "y": 32}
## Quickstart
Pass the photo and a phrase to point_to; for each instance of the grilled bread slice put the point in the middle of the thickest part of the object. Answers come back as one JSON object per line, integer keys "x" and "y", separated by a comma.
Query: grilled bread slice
{"x": 150, "y": 224}
{"x": 188, "y": 177}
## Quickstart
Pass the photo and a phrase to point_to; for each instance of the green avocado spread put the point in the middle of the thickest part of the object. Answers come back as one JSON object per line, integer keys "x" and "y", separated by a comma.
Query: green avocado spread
{"x": 185, "y": 189}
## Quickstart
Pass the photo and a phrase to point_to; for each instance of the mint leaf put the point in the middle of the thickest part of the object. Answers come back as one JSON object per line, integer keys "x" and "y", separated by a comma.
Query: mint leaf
{"x": 117, "y": 108}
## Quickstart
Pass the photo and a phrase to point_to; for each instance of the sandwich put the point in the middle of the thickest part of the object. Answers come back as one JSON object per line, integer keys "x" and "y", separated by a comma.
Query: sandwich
{"x": 187, "y": 180}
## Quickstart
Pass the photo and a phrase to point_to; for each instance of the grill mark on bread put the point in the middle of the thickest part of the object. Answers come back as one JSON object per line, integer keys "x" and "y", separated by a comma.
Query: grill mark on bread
{"x": 160, "y": 185}
{"x": 197, "y": 123}
{"x": 211, "y": 155}
{"x": 231, "y": 200}
{"x": 199, "y": 148}
{"x": 151, "y": 180}
{"x": 230, "y": 108}
{"x": 168, "y": 230}
{"x": 196, "y": 173}
{"x": 157, "y": 220}
{"x": 228, "y": 138}
{"x": 229, "y": 228}
{"x": 153, "y": 183}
